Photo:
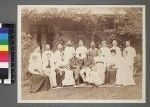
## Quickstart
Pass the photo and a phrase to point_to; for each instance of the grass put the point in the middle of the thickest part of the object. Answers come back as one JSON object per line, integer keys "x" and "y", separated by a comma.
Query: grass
{"x": 90, "y": 93}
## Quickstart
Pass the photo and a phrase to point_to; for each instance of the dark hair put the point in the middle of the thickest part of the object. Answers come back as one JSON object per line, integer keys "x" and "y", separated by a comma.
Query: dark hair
{"x": 113, "y": 51}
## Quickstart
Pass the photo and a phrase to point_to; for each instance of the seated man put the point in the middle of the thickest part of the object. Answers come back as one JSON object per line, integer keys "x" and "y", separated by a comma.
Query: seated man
{"x": 60, "y": 70}
{"x": 48, "y": 66}
{"x": 74, "y": 65}
{"x": 86, "y": 69}
{"x": 112, "y": 67}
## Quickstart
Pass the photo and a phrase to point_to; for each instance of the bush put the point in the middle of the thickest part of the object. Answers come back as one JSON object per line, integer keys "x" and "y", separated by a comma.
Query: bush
{"x": 27, "y": 45}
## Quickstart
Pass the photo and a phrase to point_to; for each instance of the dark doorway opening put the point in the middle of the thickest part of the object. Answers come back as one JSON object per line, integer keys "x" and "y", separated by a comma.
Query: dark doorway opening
{"x": 50, "y": 38}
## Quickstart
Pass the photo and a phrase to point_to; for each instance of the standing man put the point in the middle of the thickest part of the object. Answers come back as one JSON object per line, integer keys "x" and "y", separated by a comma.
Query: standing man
{"x": 69, "y": 50}
{"x": 107, "y": 55}
{"x": 74, "y": 65}
{"x": 61, "y": 65}
{"x": 81, "y": 54}
{"x": 93, "y": 50}
{"x": 48, "y": 65}
{"x": 57, "y": 54}
{"x": 115, "y": 47}
{"x": 105, "y": 50}
{"x": 131, "y": 54}
{"x": 81, "y": 50}
{"x": 58, "y": 59}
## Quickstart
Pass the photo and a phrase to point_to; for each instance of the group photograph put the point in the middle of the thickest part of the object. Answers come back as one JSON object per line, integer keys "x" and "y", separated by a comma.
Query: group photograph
{"x": 81, "y": 54}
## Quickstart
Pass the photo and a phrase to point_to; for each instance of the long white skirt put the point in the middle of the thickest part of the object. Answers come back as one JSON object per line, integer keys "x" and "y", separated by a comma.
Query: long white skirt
{"x": 52, "y": 76}
{"x": 69, "y": 79}
{"x": 98, "y": 74}
{"x": 125, "y": 76}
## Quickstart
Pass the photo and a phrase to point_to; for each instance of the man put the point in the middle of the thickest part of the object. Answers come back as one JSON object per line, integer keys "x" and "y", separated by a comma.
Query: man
{"x": 86, "y": 69}
{"x": 48, "y": 65}
{"x": 115, "y": 47}
{"x": 60, "y": 69}
{"x": 112, "y": 67}
{"x": 93, "y": 50}
{"x": 81, "y": 50}
{"x": 69, "y": 50}
{"x": 58, "y": 53}
{"x": 105, "y": 50}
{"x": 131, "y": 53}
{"x": 74, "y": 64}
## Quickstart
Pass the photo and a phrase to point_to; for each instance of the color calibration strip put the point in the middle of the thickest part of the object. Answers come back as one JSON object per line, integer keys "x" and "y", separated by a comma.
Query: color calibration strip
{"x": 4, "y": 54}
{"x": 7, "y": 53}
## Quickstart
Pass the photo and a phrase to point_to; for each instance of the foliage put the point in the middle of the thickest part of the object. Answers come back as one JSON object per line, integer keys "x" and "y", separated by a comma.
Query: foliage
{"x": 27, "y": 47}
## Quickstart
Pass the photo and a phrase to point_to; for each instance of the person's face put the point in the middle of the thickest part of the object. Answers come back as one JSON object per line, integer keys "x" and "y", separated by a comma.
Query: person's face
{"x": 103, "y": 43}
{"x": 114, "y": 43}
{"x": 80, "y": 43}
{"x": 60, "y": 47}
{"x": 92, "y": 45}
{"x": 69, "y": 43}
{"x": 127, "y": 43}
{"x": 113, "y": 53}
{"x": 47, "y": 47}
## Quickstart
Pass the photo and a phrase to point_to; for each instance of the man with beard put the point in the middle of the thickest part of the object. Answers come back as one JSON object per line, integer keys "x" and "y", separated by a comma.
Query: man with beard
{"x": 93, "y": 50}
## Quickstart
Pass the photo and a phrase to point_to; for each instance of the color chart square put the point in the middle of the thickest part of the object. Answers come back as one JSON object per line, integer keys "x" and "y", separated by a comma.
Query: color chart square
{"x": 4, "y": 53}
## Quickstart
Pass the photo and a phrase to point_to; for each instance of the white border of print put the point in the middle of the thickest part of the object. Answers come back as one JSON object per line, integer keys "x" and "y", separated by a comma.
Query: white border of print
{"x": 143, "y": 100}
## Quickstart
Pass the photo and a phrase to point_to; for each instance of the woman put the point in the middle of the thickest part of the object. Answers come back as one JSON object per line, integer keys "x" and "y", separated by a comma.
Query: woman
{"x": 124, "y": 75}
{"x": 39, "y": 82}
{"x": 98, "y": 71}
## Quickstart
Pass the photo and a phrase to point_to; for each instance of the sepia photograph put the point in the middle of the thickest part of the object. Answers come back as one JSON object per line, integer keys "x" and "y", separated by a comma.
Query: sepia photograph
{"x": 81, "y": 54}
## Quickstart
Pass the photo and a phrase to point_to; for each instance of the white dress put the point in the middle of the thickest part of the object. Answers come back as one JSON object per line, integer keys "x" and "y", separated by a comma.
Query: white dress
{"x": 131, "y": 53}
{"x": 69, "y": 79}
{"x": 125, "y": 73}
{"x": 98, "y": 71}
{"x": 118, "y": 51}
{"x": 105, "y": 52}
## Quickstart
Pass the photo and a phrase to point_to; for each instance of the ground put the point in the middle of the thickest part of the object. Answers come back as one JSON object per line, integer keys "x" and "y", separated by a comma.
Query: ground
{"x": 90, "y": 93}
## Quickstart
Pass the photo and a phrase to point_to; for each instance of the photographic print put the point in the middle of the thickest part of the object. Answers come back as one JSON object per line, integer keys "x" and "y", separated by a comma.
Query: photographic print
{"x": 81, "y": 54}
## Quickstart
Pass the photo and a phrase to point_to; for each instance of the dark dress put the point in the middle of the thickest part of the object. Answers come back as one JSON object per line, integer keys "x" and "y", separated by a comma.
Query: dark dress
{"x": 39, "y": 83}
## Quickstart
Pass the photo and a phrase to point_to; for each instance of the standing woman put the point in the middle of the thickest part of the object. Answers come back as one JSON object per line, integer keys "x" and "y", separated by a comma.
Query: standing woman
{"x": 99, "y": 69}
{"x": 124, "y": 75}
{"x": 115, "y": 47}
{"x": 39, "y": 82}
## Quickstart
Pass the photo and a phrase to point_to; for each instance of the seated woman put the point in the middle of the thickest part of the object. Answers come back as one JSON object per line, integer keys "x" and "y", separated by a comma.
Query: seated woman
{"x": 98, "y": 72}
{"x": 39, "y": 82}
{"x": 112, "y": 68}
